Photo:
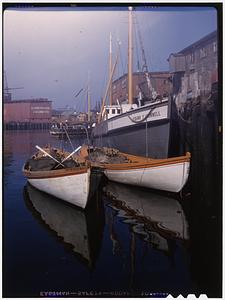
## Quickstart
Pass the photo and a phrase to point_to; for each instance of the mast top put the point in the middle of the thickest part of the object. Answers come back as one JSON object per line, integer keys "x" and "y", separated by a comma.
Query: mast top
{"x": 130, "y": 57}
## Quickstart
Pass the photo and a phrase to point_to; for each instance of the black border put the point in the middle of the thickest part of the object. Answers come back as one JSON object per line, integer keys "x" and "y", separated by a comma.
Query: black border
{"x": 217, "y": 5}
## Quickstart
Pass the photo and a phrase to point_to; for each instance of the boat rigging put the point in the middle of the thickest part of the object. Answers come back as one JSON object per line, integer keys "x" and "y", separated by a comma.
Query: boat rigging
{"x": 124, "y": 125}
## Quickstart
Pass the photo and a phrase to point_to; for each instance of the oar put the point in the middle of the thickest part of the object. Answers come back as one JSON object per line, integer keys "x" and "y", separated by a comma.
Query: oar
{"x": 46, "y": 153}
{"x": 77, "y": 149}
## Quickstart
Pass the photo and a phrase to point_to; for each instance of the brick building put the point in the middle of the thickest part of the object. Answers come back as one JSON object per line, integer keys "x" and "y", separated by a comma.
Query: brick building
{"x": 29, "y": 111}
{"x": 159, "y": 80}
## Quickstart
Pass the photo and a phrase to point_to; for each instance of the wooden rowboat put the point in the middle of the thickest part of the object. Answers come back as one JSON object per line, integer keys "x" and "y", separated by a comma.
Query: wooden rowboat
{"x": 169, "y": 174}
{"x": 67, "y": 180}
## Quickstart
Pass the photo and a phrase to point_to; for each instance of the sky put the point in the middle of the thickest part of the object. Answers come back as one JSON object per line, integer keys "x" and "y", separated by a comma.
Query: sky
{"x": 50, "y": 51}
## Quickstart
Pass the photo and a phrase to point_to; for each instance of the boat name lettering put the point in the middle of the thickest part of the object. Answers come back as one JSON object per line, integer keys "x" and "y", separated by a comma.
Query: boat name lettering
{"x": 141, "y": 117}
{"x": 155, "y": 114}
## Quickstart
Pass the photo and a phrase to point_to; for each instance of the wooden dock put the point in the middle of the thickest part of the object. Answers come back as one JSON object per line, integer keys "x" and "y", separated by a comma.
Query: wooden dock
{"x": 26, "y": 126}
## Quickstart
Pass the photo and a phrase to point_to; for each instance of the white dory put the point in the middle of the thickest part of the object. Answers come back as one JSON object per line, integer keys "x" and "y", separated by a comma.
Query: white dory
{"x": 70, "y": 183}
{"x": 169, "y": 174}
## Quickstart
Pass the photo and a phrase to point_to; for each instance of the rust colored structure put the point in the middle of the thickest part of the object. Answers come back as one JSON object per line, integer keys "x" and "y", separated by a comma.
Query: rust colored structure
{"x": 159, "y": 80}
{"x": 31, "y": 111}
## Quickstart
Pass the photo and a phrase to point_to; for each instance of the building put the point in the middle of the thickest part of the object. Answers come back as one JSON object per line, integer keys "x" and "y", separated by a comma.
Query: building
{"x": 82, "y": 117}
{"x": 159, "y": 80}
{"x": 195, "y": 68}
{"x": 25, "y": 113}
{"x": 70, "y": 116}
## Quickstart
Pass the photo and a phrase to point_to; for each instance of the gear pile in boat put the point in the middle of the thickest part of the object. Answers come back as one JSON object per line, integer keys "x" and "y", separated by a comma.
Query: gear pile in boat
{"x": 106, "y": 155}
{"x": 42, "y": 162}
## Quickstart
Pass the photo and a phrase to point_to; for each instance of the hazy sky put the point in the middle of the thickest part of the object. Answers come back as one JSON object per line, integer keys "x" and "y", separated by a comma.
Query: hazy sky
{"x": 50, "y": 51}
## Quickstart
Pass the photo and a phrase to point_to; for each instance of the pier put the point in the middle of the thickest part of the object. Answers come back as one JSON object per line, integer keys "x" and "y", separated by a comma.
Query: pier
{"x": 201, "y": 133}
{"x": 26, "y": 126}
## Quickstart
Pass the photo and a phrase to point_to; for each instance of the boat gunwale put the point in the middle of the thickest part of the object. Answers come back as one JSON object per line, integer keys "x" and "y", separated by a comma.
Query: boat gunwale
{"x": 54, "y": 173}
{"x": 137, "y": 162}
{"x": 140, "y": 108}
{"x": 147, "y": 163}
{"x": 136, "y": 166}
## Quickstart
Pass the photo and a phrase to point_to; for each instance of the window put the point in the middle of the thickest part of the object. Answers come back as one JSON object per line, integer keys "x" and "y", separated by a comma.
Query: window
{"x": 124, "y": 83}
{"x": 214, "y": 46}
{"x": 113, "y": 111}
{"x": 118, "y": 110}
{"x": 107, "y": 110}
{"x": 203, "y": 52}
{"x": 192, "y": 58}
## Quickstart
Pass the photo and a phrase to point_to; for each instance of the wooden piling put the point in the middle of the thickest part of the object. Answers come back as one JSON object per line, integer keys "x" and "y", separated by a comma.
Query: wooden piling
{"x": 200, "y": 129}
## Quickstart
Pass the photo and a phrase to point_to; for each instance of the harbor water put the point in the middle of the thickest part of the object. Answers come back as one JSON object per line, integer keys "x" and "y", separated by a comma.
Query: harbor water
{"x": 130, "y": 242}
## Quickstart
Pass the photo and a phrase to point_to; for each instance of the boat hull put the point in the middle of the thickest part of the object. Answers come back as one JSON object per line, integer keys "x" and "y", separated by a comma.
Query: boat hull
{"x": 171, "y": 177}
{"x": 70, "y": 186}
{"x": 133, "y": 141}
{"x": 128, "y": 133}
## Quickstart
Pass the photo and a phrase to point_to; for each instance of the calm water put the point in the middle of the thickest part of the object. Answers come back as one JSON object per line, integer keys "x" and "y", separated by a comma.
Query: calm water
{"x": 132, "y": 242}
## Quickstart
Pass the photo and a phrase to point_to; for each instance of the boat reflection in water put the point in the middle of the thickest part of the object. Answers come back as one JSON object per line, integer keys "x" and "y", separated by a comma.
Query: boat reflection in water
{"x": 154, "y": 217}
{"x": 80, "y": 229}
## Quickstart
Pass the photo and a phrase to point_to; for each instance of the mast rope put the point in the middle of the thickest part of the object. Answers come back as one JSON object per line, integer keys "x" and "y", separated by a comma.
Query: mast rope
{"x": 121, "y": 60}
{"x": 64, "y": 128}
{"x": 137, "y": 52}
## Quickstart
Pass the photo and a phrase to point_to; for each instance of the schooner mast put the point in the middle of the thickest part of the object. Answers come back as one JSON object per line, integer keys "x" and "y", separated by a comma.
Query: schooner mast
{"x": 110, "y": 69}
{"x": 130, "y": 57}
{"x": 89, "y": 98}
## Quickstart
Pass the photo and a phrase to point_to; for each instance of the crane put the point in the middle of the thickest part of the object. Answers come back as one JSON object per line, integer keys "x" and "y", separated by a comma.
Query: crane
{"x": 7, "y": 94}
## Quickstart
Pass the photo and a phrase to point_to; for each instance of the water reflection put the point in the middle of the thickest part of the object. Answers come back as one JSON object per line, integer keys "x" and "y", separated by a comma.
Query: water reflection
{"x": 152, "y": 216}
{"x": 135, "y": 240}
{"x": 156, "y": 241}
{"x": 80, "y": 230}
{"x": 23, "y": 142}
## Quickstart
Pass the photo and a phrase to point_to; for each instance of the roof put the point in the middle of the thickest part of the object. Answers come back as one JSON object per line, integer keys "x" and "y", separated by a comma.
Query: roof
{"x": 38, "y": 100}
{"x": 196, "y": 44}
{"x": 153, "y": 74}
{"x": 208, "y": 37}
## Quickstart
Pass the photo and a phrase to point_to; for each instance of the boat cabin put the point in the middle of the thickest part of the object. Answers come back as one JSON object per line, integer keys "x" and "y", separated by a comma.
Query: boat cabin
{"x": 111, "y": 111}
{"x": 114, "y": 110}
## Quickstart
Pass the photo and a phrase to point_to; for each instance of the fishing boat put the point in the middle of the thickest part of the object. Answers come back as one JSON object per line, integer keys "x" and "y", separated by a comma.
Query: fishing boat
{"x": 72, "y": 226}
{"x": 143, "y": 128}
{"x": 59, "y": 174}
{"x": 65, "y": 130}
{"x": 169, "y": 174}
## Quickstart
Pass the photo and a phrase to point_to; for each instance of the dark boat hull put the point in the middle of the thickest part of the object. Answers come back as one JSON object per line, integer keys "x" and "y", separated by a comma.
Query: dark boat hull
{"x": 152, "y": 141}
{"x": 151, "y": 138}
